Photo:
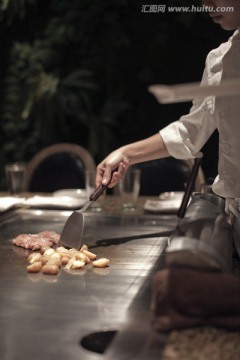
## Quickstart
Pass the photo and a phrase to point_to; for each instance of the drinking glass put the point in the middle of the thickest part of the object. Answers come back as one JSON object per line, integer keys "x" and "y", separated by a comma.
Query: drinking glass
{"x": 129, "y": 189}
{"x": 16, "y": 176}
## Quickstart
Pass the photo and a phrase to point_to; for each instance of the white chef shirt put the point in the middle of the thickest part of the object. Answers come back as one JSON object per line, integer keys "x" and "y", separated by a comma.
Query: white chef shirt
{"x": 185, "y": 137}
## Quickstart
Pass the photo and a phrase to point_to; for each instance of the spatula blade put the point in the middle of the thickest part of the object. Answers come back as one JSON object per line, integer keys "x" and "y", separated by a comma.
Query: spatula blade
{"x": 71, "y": 236}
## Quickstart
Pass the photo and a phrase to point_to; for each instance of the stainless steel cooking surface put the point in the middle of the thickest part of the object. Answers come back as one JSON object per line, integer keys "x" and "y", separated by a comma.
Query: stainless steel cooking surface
{"x": 46, "y": 317}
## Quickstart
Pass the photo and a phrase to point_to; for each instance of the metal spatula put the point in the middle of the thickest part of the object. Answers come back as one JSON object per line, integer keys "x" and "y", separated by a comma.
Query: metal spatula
{"x": 71, "y": 236}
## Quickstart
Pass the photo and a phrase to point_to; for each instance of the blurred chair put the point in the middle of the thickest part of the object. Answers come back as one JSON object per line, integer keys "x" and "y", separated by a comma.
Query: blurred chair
{"x": 167, "y": 174}
{"x": 59, "y": 166}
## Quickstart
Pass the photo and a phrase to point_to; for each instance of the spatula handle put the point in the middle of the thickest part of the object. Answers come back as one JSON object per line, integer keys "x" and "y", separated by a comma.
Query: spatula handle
{"x": 190, "y": 185}
{"x": 99, "y": 190}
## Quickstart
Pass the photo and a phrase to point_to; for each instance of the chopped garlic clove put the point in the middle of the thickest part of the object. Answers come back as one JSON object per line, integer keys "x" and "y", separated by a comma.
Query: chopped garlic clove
{"x": 102, "y": 262}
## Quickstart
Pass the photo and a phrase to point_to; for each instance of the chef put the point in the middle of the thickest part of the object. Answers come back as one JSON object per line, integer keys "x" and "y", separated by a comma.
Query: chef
{"x": 184, "y": 138}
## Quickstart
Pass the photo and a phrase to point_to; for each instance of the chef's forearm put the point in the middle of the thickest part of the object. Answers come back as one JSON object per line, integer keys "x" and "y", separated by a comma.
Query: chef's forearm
{"x": 145, "y": 150}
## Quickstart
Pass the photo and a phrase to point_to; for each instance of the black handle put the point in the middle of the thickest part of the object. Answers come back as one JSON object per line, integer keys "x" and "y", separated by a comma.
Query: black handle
{"x": 95, "y": 195}
{"x": 188, "y": 191}
{"x": 99, "y": 190}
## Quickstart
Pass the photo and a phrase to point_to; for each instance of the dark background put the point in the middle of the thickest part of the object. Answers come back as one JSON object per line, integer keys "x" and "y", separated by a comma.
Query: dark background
{"x": 78, "y": 71}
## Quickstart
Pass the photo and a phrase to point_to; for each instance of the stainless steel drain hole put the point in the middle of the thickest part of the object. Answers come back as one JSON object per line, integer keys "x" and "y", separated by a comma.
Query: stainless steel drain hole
{"x": 98, "y": 341}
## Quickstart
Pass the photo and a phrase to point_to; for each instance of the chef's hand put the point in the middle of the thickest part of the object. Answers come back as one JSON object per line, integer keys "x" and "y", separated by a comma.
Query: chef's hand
{"x": 113, "y": 167}
{"x": 117, "y": 163}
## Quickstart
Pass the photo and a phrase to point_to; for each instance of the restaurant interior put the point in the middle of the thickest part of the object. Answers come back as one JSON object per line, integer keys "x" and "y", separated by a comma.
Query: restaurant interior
{"x": 160, "y": 277}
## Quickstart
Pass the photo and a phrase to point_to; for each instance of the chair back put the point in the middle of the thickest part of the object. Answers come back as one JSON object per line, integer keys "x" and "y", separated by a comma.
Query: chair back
{"x": 59, "y": 166}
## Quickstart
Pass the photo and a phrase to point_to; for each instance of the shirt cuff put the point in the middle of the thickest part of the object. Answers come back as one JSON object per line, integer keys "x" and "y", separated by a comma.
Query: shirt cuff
{"x": 176, "y": 142}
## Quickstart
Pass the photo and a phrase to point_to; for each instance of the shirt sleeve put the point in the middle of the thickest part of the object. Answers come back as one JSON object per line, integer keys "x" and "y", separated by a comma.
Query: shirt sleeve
{"x": 185, "y": 138}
